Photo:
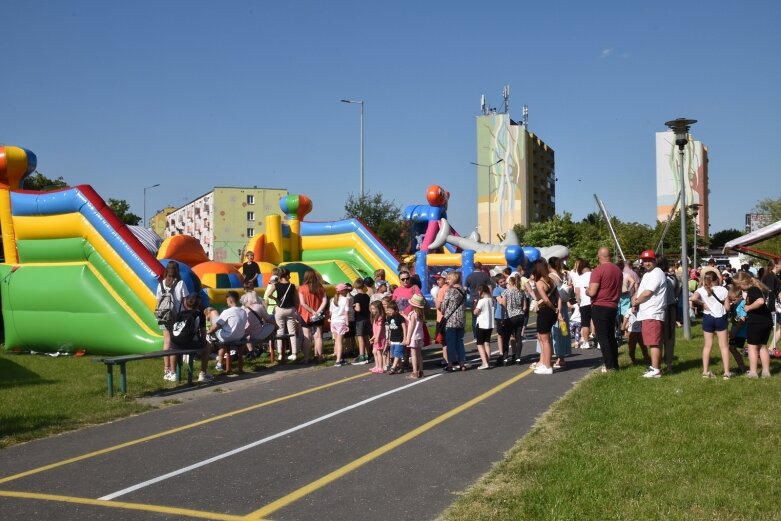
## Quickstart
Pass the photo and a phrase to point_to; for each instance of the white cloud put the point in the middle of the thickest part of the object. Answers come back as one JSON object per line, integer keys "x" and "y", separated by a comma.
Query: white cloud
{"x": 605, "y": 53}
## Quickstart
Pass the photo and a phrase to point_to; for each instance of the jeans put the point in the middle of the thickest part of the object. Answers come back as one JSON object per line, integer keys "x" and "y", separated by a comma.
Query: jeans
{"x": 454, "y": 338}
{"x": 604, "y": 319}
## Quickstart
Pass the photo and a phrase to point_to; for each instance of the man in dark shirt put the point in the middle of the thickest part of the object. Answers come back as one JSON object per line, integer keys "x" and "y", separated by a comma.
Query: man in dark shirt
{"x": 605, "y": 290}
{"x": 250, "y": 270}
{"x": 771, "y": 280}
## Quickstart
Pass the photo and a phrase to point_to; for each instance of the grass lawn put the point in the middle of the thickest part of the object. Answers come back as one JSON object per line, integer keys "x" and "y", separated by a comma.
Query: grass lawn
{"x": 618, "y": 446}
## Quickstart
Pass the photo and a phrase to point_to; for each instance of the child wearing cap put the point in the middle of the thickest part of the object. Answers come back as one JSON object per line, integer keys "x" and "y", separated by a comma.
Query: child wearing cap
{"x": 414, "y": 334}
{"x": 339, "y": 320}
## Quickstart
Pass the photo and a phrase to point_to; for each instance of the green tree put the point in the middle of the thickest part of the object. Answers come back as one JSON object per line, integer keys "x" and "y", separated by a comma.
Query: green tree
{"x": 121, "y": 209}
{"x": 380, "y": 216}
{"x": 720, "y": 238}
{"x": 771, "y": 207}
{"x": 38, "y": 181}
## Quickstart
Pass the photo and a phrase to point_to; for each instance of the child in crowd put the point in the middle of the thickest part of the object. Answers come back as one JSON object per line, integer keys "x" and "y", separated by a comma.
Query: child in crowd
{"x": 413, "y": 337}
{"x": 339, "y": 321}
{"x": 484, "y": 311}
{"x": 634, "y": 331}
{"x": 396, "y": 327}
{"x": 574, "y": 323}
{"x": 378, "y": 340}
{"x": 738, "y": 330}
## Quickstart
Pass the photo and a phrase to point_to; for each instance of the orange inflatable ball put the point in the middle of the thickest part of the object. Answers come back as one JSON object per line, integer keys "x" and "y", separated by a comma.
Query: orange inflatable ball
{"x": 437, "y": 196}
{"x": 219, "y": 275}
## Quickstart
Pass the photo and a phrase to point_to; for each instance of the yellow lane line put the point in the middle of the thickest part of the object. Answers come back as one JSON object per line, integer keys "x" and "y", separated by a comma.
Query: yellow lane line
{"x": 355, "y": 464}
{"x": 175, "y": 430}
{"x": 160, "y": 509}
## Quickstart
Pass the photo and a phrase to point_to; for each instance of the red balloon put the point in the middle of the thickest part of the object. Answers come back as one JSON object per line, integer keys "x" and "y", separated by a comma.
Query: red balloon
{"x": 436, "y": 195}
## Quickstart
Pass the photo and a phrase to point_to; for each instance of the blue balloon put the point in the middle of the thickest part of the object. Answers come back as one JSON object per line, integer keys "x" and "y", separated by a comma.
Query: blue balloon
{"x": 532, "y": 254}
{"x": 514, "y": 256}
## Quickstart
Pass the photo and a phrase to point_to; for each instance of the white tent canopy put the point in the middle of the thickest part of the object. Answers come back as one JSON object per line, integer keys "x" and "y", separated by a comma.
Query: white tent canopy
{"x": 742, "y": 242}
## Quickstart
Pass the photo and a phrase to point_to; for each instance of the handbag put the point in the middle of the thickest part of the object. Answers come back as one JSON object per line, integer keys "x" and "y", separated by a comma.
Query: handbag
{"x": 441, "y": 323}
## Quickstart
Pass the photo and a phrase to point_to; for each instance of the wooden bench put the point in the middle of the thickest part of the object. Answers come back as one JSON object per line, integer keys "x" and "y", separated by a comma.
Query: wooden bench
{"x": 121, "y": 361}
{"x": 269, "y": 341}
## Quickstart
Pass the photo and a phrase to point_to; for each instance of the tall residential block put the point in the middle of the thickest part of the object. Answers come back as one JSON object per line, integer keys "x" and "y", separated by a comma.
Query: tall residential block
{"x": 224, "y": 219}
{"x": 521, "y": 189}
{"x": 668, "y": 179}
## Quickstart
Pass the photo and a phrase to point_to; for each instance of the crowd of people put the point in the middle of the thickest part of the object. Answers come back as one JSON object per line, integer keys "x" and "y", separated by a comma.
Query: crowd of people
{"x": 577, "y": 308}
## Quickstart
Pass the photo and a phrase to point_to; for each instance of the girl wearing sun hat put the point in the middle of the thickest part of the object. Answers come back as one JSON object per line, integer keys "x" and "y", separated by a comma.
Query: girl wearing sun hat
{"x": 416, "y": 321}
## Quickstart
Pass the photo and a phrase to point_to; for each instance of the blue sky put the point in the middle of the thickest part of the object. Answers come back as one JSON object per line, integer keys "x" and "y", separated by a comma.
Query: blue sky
{"x": 193, "y": 94}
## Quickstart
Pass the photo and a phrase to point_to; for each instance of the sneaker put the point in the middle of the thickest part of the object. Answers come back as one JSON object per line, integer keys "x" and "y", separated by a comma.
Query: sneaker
{"x": 169, "y": 377}
{"x": 218, "y": 367}
{"x": 484, "y": 366}
{"x": 765, "y": 374}
{"x": 508, "y": 361}
{"x": 541, "y": 369}
{"x": 361, "y": 360}
{"x": 652, "y": 373}
{"x": 205, "y": 377}
{"x": 707, "y": 375}
{"x": 727, "y": 376}
{"x": 752, "y": 374}
{"x": 585, "y": 345}
{"x": 341, "y": 363}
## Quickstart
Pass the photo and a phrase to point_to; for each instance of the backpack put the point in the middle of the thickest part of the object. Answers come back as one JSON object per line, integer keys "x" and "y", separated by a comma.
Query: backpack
{"x": 165, "y": 307}
{"x": 184, "y": 331}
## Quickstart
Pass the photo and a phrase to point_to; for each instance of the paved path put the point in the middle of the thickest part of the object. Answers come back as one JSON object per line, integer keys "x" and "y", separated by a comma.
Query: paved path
{"x": 325, "y": 443}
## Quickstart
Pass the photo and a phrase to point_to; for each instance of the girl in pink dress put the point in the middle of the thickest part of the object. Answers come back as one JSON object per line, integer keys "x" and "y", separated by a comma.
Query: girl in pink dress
{"x": 378, "y": 340}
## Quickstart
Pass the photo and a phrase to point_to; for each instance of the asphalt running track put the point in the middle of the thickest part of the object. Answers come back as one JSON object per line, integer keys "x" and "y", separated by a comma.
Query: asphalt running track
{"x": 331, "y": 444}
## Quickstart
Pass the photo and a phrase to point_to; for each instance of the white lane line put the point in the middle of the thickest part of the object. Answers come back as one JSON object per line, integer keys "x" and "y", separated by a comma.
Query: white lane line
{"x": 224, "y": 455}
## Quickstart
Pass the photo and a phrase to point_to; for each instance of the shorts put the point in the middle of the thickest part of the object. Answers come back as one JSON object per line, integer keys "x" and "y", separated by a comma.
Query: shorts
{"x": 585, "y": 316}
{"x": 397, "y": 349}
{"x": 710, "y": 324}
{"x": 501, "y": 325}
{"x": 339, "y": 328}
{"x": 483, "y": 336}
{"x": 350, "y": 330}
{"x": 738, "y": 341}
{"x": 363, "y": 328}
{"x": 546, "y": 317}
{"x": 757, "y": 334}
{"x": 652, "y": 332}
{"x": 623, "y": 304}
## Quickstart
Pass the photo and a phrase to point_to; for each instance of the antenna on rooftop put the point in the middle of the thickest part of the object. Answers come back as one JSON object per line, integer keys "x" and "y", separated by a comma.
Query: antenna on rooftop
{"x": 506, "y": 96}
{"x": 483, "y": 108}
{"x": 525, "y": 117}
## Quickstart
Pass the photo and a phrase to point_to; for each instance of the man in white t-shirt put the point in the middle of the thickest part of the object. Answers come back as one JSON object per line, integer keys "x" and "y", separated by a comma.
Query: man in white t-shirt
{"x": 651, "y": 301}
{"x": 581, "y": 283}
{"x": 226, "y": 327}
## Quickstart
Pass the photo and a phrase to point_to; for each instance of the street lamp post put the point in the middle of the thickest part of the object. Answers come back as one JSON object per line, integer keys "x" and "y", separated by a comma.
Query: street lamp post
{"x": 490, "y": 189}
{"x": 681, "y": 127}
{"x": 145, "y": 189}
{"x": 695, "y": 208}
{"x": 361, "y": 103}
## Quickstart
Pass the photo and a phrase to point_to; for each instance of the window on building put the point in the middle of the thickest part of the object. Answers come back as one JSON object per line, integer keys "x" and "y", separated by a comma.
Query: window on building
{"x": 250, "y": 232}
{"x": 250, "y": 199}
{"x": 250, "y": 216}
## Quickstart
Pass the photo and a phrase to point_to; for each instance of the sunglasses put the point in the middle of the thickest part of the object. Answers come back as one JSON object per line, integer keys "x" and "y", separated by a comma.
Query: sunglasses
{"x": 404, "y": 279}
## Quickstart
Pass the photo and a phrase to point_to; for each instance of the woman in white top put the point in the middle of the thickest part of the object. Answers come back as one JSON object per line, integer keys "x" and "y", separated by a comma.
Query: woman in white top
{"x": 713, "y": 299}
{"x": 171, "y": 283}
